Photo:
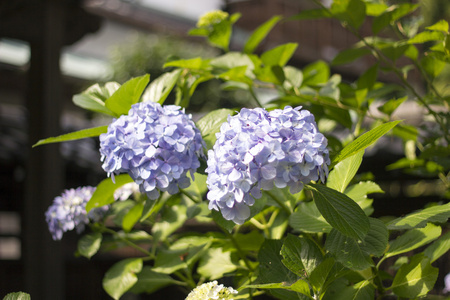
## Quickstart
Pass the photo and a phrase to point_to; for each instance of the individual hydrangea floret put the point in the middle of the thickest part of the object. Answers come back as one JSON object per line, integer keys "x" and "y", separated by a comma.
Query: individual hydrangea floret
{"x": 212, "y": 291}
{"x": 157, "y": 146}
{"x": 258, "y": 150}
{"x": 68, "y": 212}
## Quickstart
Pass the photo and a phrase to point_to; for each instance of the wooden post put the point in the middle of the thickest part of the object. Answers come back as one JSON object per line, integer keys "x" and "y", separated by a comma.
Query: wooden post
{"x": 43, "y": 257}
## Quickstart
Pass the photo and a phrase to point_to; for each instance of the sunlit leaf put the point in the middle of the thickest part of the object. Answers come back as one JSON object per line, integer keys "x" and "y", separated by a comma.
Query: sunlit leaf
{"x": 17, "y": 296}
{"x": 280, "y": 55}
{"x": 438, "y": 247}
{"x": 214, "y": 263}
{"x": 77, "y": 135}
{"x": 121, "y": 277}
{"x": 104, "y": 193}
{"x": 419, "y": 219}
{"x": 159, "y": 89}
{"x": 89, "y": 244}
{"x": 415, "y": 279}
{"x": 413, "y": 239}
{"x": 128, "y": 94}
{"x": 344, "y": 171}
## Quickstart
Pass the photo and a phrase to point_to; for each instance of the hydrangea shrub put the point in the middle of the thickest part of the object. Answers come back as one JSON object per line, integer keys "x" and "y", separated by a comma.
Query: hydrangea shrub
{"x": 290, "y": 212}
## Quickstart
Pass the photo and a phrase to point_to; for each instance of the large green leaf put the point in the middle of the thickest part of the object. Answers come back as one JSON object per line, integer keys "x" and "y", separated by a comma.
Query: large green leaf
{"x": 211, "y": 122}
{"x": 280, "y": 55}
{"x": 173, "y": 217}
{"x": 17, "y": 296}
{"x": 413, "y": 239}
{"x": 104, "y": 193}
{"x": 340, "y": 211}
{"x": 358, "y": 192}
{"x": 363, "y": 290}
{"x": 128, "y": 94}
{"x": 436, "y": 213}
{"x": 150, "y": 281}
{"x": 316, "y": 73}
{"x": 89, "y": 244}
{"x": 344, "y": 171}
{"x": 300, "y": 255}
{"x": 214, "y": 263}
{"x": 364, "y": 141}
{"x": 415, "y": 279}
{"x": 356, "y": 255}
{"x": 159, "y": 89}
{"x": 81, "y": 134}
{"x": 320, "y": 274}
{"x": 351, "y": 12}
{"x": 260, "y": 33}
{"x": 300, "y": 286}
{"x": 121, "y": 277}
{"x": 438, "y": 247}
{"x": 95, "y": 96}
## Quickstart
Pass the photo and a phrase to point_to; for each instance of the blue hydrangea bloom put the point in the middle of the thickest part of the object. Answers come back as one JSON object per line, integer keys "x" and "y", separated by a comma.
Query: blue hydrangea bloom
{"x": 68, "y": 212}
{"x": 258, "y": 150}
{"x": 155, "y": 145}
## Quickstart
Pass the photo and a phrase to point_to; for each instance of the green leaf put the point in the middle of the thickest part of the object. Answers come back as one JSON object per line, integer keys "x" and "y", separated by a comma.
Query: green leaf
{"x": 300, "y": 255}
{"x": 81, "y": 134}
{"x": 215, "y": 263}
{"x": 358, "y": 193}
{"x": 312, "y": 14}
{"x": 432, "y": 65}
{"x": 349, "y": 55}
{"x": 227, "y": 225}
{"x": 280, "y": 55}
{"x": 413, "y": 239}
{"x": 94, "y": 97}
{"x": 356, "y": 255}
{"x": 352, "y": 12}
{"x": 260, "y": 33}
{"x": 363, "y": 290}
{"x": 390, "y": 106}
{"x": 17, "y": 296}
{"x": 271, "y": 269}
{"x": 367, "y": 79}
{"x": 344, "y": 171}
{"x": 307, "y": 218}
{"x": 172, "y": 218}
{"x": 419, "y": 219}
{"x": 406, "y": 132}
{"x": 375, "y": 9}
{"x": 300, "y": 286}
{"x": 250, "y": 241}
{"x": 441, "y": 25}
{"x": 89, "y": 244}
{"x": 104, "y": 193}
{"x": 210, "y": 124}
{"x": 364, "y": 141}
{"x": 121, "y": 277}
{"x": 415, "y": 279}
{"x": 294, "y": 77}
{"x": 316, "y": 73}
{"x": 194, "y": 63}
{"x": 438, "y": 247}
{"x": 132, "y": 216}
{"x": 391, "y": 15}
{"x": 231, "y": 60}
{"x": 128, "y": 94}
{"x": 150, "y": 281}
{"x": 320, "y": 274}
{"x": 426, "y": 36}
{"x": 272, "y": 74}
{"x": 340, "y": 211}
{"x": 160, "y": 88}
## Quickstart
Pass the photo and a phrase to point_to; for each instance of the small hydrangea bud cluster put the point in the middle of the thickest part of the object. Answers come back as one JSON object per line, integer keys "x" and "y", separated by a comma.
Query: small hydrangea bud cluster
{"x": 68, "y": 212}
{"x": 212, "y": 291}
{"x": 126, "y": 191}
{"x": 211, "y": 18}
{"x": 155, "y": 145}
{"x": 257, "y": 150}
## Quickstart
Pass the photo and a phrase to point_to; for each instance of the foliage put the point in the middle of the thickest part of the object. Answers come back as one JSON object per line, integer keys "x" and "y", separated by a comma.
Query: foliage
{"x": 321, "y": 240}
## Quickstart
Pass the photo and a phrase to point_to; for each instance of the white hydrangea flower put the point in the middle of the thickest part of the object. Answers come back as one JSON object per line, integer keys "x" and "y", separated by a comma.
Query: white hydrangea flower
{"x": 212, "y": 291}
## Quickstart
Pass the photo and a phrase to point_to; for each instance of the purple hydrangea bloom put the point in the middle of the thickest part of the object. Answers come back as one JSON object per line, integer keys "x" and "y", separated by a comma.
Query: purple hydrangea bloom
{"x": 155, "y": 145}
{"x": 259, "y": 150}
{"x": 68, "y": 212}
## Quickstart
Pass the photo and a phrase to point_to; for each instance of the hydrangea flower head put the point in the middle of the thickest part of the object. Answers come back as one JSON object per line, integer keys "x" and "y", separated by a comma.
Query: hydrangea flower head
{"x": 68, "y": 212}
{"x": 212, "y": 291}
{"x": 155, "y": 145}
{"x": 258, "y": 150}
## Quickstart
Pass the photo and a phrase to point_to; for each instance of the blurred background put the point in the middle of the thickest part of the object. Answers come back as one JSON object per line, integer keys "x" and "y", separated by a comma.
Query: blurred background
{"x": 53, "y": 49}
